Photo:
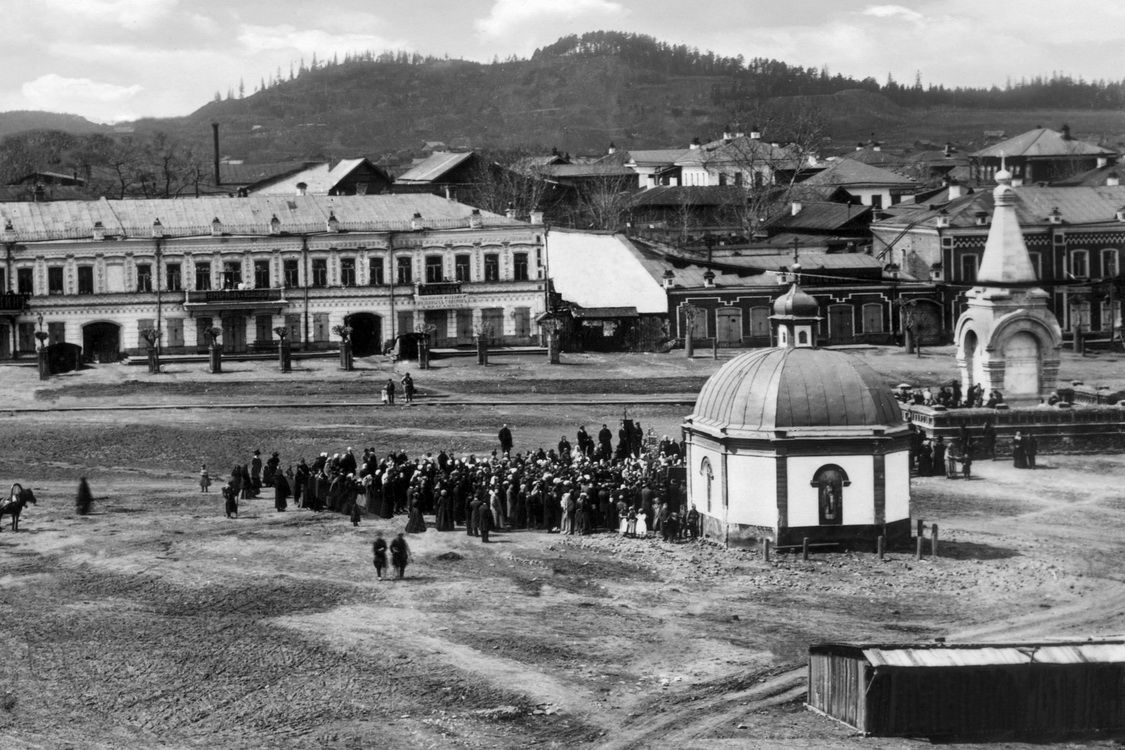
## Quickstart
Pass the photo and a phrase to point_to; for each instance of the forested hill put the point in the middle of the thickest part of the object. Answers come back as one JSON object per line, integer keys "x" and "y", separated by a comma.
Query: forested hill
{"x": 583, "y": 92}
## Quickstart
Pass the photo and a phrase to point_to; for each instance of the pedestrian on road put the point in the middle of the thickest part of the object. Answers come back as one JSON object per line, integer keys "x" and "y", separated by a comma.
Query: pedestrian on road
{"x": 408, "y": 388}
{"x": 204, "y": 479}
{"x": 389, "y": 389}
{"x": 400, "y": 555}
{"x": 379, "y": 553}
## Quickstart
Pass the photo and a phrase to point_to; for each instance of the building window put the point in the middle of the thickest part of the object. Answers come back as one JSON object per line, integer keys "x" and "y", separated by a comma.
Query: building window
{"x": 375, "y": 272}
{"x": 55, "y": 280}
{"x": 261, "y": 274}
{"x": 319, "y": 272}
{"x": 830, "y": 481}
{"x": 708, "y": 477}
{"x": 56, "y": 333}
{"x": 25, "y": 283}
{"x": 968, "y": 268}
{"x": 3, "y": 281}
{"x": 144, "y": 277}
{"x": 519, "y": 266}
{"x": 85, "y": 279}
{"x": 1109, "y": 263}
{"x": 232, "y": 275}
{"x": 347, "y": 271}
{"x": 433, "y": 269}
{"x": 202, "y": 276}
{"x": 492, "y": 267}
{"x": 876, "y": 201}
{"x": 292, "y": 271}
{"x": 175, "y": 277}
{"x": 1079, "y": 264}
{"x": 462, "y": 266}
{"x": 403, "y": 271}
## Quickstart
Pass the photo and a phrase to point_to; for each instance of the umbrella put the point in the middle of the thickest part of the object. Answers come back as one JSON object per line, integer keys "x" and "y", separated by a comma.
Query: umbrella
{"x": 904, "y": 385}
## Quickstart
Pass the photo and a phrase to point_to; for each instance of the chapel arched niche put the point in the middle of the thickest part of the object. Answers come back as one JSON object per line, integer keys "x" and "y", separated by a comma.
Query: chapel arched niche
{"x": 830, "y": 481}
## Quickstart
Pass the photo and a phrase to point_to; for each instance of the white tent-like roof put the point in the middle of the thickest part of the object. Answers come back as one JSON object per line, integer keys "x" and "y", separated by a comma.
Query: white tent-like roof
{"x": 597, "y": 269}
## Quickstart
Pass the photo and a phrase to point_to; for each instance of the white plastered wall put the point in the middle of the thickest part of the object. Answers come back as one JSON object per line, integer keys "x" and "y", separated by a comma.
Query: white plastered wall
{"x": 859, "y": 496}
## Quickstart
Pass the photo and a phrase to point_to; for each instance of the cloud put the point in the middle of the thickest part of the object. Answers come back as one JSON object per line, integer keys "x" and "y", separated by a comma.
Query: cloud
{"x": 132, "y": 14}
{"x": 508, "y": 16}
{"x": 893, "y": 11}
{"x": 57, "y": 93}
{"x": 285, "y": 37}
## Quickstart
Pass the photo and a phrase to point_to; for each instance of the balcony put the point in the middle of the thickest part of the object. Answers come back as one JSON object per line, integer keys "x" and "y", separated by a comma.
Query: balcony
{"x": 247, "y": 300}
{"x": 12, "y": 303}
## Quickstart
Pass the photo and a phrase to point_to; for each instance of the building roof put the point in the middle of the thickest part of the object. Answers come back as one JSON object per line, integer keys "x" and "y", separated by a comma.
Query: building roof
{"x": 321, "y": 179}
{"x": 742, "y": 150}
{"x": 846, "y": 172}
{"x": 434, "y": 167}
{"x": 603, "y": 313}
{"x": 798, "y": 390}
{"x": 192, "y": 217}
{"x": 597, "y": 270}
{"x": 240, "y": 175}
{"x": 979, "y": 654}
{"x": 692, "y": 195}
{"x": 1094, "y": 177}
{"x": 819, "y": 215}
{"x": 592, "y": 170}
{"x": 1077, "y": 205}
{"x": 657, "y": 157}
{"x": 1041, "y": 143}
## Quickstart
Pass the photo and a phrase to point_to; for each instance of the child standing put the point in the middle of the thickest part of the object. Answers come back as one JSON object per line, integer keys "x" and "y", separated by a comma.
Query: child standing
{"x": 204, "y": 479}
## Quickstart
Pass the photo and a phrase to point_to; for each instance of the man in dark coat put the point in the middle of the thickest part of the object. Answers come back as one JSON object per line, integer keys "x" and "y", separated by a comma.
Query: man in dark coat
{"x": 379, "y": 554}
{"x": 256, "y": 472}
{"x": 505, "y": 436}
{"x": 484, "y": 520}
{"x": 300, "y": 480}
{"x": 400, "y": 555}
{"x": 605, "y": 442}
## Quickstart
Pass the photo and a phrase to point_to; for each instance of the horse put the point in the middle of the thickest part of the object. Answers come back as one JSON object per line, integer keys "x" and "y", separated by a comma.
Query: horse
{"x": 15, "y": 503}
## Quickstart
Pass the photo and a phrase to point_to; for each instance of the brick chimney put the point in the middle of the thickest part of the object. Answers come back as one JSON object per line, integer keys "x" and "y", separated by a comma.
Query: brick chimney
{"x": 215, "y": 139}
{"x": 1112, "y": 180}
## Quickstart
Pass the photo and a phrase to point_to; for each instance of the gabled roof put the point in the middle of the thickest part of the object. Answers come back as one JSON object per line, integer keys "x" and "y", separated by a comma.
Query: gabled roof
{"x": 320, "y": 179}
{"x": 596, "y": 169}
{"x": 1041, "y": 143}
{"x": 1077, "y": 205}
{"x": 192, "y": 217}
{"x": 434, "y": 167}
{"x": 240, "y": 175}
{"x": 1094, "y": 177}
{"x": 847, "y": 172}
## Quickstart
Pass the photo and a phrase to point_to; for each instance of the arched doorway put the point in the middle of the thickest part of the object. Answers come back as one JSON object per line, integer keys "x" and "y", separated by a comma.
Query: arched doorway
{"x": 1021, "y": 365}
{"x": 101, "y": 342}
{"x": 973, "y": 364}
{"x": 830, "y": 481}
{"x": 367, "y": 334}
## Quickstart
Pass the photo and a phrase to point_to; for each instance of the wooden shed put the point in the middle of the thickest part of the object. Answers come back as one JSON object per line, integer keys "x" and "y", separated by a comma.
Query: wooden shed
{"x": 985, "y": 690}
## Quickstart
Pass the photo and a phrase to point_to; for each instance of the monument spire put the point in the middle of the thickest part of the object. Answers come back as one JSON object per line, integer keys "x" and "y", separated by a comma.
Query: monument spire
{"x": 1006, "y": 261}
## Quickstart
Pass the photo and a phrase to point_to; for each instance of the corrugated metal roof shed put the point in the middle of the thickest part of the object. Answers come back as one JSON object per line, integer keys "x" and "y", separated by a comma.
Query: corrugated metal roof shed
{"x": 1078, "y": 205}
{"x": 844, "y": 172}
{"x": 982, "y": 654}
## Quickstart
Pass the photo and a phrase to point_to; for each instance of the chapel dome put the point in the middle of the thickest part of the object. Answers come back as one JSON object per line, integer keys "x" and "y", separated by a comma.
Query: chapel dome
{"x": 796, "y": 303}
{"x": 781, "y": 389}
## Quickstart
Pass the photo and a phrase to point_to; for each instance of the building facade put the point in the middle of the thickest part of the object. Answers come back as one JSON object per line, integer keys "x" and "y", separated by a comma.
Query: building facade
{"x": 99, "y": 273}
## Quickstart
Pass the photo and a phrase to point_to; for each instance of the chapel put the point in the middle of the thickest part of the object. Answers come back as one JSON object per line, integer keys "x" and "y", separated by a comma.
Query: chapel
{"x": 793, "y": 442}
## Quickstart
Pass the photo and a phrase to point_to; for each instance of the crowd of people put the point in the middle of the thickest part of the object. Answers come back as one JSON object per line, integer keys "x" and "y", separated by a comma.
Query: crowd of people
{"x": 950, "y": 396}
{"x": 635, "y": 487}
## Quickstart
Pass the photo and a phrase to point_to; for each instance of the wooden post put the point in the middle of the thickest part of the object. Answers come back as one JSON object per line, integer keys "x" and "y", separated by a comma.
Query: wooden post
{"x": 881, "y": 546}
{"x": 921, "y": 529}
{"x": 766, "y": 548}
{"x": 715, "y": 346}
{"x": 933, "y": 541}
{"x": 918, "y": 552}
{"x": 805, "y": 548}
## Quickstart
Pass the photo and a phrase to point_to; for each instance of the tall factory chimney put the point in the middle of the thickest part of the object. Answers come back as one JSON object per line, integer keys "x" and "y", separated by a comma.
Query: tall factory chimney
{"x": 215, "y": 134}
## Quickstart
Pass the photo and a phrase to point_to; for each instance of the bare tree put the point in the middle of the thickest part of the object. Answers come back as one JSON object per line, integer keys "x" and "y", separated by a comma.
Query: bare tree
{"x": 510, "y": 179}
{"x": 602, "y": 202}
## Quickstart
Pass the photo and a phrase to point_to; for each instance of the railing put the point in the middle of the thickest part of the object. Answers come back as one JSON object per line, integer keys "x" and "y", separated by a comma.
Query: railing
{"x": 236, "y": 295}
{"x": 13, "y": 301}
{"x": 440, "y": 287}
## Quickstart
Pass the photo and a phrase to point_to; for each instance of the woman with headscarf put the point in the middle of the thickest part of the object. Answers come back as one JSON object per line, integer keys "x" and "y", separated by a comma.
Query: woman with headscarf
{"x": 280, "y": 491}
{"x": 444, "y": 511}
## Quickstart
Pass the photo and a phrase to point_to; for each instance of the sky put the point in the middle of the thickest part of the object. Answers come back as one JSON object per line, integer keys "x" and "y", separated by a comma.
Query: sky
{"x": 114, "y": 60}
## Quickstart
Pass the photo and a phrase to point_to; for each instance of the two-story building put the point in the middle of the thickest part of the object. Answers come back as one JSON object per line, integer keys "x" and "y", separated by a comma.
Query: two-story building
{"x": 98, "y": 273}
{"x": 1075, "y": 237}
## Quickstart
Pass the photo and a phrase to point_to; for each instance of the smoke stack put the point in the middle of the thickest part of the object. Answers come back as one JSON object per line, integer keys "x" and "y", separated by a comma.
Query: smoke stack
{"x": 215, "y": 138}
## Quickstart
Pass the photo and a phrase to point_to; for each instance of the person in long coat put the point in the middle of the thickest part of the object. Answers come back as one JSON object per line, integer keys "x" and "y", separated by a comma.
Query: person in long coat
{"x": 416, "y": 522}
{"x": 444, "y": 511}
{"x": 280, "y": 491}
{"x": 483, "y": 517}
{"x": 379, "y": 554}
{"x": 400, "y": 555}
{"x": 84, "y": 499}
{"x": 247, "y": 484}
{"x": 1019, "y": 451}
{"x": 386, "y": 497}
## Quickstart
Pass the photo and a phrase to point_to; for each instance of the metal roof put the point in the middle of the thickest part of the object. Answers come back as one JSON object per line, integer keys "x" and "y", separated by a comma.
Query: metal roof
{"x": 603, "y": 313}
{"x": 690, "y": 195}
{"x": 188, "y": 217}
{"x": 1078, "y": 205}
{"x": 1042, "y": 143}
{"x": 981, "y": 654}
{"x": 821, "y": 215}
{"x": 766, "y": 390}
{"x": 846, "y": 171}
{"x": 318, "y": 178}
{"x": 434, "y": 166}
{"x": 657, "y": 157}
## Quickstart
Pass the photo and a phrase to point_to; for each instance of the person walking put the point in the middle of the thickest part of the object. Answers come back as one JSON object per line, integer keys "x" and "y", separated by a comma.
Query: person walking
{"x": 379, "y": 554}
{"x": 505, "y": 436}
{"x": 400, "y": 555}
{"x": 408, "y": 388}
{"x": 389, "y": 389}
